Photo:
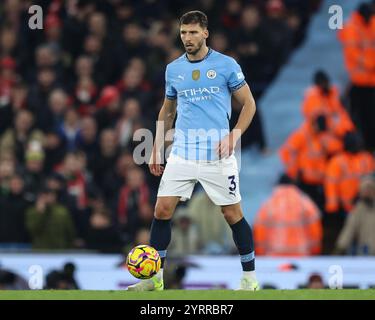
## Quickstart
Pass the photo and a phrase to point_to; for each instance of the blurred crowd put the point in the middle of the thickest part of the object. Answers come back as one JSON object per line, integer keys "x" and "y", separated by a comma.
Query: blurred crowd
{"x": 325, "y": 202}
{"x": 55, "y": 279}
{"x": 73, "y": 94}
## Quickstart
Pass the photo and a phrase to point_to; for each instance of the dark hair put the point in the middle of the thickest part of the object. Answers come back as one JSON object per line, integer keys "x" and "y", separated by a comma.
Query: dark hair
{"x": 321, "y": 77}
{"x": 353, "y": 142}
{"x": 284, "y": 179}
{"x": 365, "y": 11}
{"x": 193, "y": 17}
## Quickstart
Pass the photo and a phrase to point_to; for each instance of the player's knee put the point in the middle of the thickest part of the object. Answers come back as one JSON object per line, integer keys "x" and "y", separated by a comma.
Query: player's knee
{"x": 163, "y": 210}
{"x": 232, "y": 215}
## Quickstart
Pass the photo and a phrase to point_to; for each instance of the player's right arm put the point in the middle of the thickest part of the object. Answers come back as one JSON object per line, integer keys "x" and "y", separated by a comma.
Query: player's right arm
{"x": 164, "y": 124}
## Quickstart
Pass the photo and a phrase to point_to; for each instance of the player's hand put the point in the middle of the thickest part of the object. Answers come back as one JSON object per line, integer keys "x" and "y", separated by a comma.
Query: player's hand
{"x": 226, "y": 146}
{"x": 155, "y": 164}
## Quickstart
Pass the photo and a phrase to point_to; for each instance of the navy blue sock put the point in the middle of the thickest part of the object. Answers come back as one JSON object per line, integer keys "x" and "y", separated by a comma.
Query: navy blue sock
{"x": 243, "y": 238}
{"x": 160, "y": 237}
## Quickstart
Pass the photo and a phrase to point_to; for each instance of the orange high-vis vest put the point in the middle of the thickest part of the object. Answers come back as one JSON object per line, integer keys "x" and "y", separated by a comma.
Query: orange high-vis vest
{"x": 305, "y": 154}
{"x": 316, "y": 103}
{"x": 343, "y": 177}
{"x": 358, "y": 40}
{"x": 288, "y": 224}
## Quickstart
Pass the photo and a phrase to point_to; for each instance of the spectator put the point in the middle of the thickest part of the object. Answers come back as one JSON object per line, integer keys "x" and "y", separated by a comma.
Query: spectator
{"x": 131, "y": 43}
{"x": 160, "y": 41}
{"x": 359, "y": 59}
{"x": 109, "y": 108}
{"x": 116, "y": 176}
{"x": 305, "y": 155}
{"x": 46, "y": 56}
{"x": 175, "y": 273}
{"x": 8, "y": 79}
{"x": 49, "y": 223}
{"x": 231, "y": 15}
{"x": 323, "y": 98}
{"x": 214, "y": 234}
{"x": 107, "y": 156}
{"x": 288, "y": 223}
{"x": 133, "y": 207}
{"x": 101, "y": 57}
{"x": 62, "y": 279}
{"x": 53, "y": 117}
{"x": 344, "y": 172}
{"x": 295, "y": 21}
{"x": 33, "y": 172}
{"x": 131, "y": 114}
{"x": 142, "y": 237}
{"x": 12, "y": 281}
{"x": 101, "y": 234}
{"x": 73, "y": 171}
{"x": 69, "y": 270}
{"x": 124, "y": 12}
{"x": 85, "y": 88}
{"x": 69, "y": 129}
{"x": 85, "y": 93}
{"x": 53, "y": 33}
{"x": 75, "y": 26}
{"x": 11, "y": 106}
{"x": 133, "y": 85}
{"x": 55, "y": 150}
{"x": 358, "y": 232}
{"x": 87, "y": 139}
{"x": 97, "y": 25}
{"x": 39, "y": 92}
{"x": 12, "y": 213}
{"x": 8, "y": 43}
{"x": 219, "y": 42}
{"x": 17, "y": 139}
{"x": 7, "y": 170}
{"x": 315, "y": 281}
{"x": 278, "y": 35}
{"x": 19, "y": 96}
{"x": 184, "y": 234}
{"x": 58, "y": 184}
{"x": 249, "y": 42}
{"x": 84, "y": 67}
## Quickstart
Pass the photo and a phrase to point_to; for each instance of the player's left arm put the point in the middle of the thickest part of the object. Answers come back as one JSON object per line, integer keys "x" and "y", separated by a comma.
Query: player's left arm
{"x": 245, "y": 98}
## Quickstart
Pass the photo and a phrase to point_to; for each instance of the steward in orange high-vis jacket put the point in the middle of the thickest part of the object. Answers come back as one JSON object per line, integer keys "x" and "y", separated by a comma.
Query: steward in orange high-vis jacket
{"x": 288, "y": 223}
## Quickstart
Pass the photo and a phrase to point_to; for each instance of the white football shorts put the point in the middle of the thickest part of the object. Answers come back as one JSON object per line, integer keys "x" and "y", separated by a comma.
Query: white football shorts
{"x": 220, "y": 179}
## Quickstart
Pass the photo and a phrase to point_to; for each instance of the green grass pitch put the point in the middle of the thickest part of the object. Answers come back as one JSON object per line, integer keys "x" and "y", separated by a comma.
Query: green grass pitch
{"x": 345, "y": 294}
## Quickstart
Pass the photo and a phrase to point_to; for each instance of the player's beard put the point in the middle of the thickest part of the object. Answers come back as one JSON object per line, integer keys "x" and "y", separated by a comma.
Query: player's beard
{"x": 199, "y": 46}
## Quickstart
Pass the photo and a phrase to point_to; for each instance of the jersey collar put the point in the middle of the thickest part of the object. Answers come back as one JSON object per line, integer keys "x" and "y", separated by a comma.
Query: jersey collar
{"x": 196, "y": 61}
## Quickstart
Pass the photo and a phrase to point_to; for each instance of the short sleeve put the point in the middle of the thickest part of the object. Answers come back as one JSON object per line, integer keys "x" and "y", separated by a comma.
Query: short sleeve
{"x": 236, "y": 77}
{"x": 170, "y": 91}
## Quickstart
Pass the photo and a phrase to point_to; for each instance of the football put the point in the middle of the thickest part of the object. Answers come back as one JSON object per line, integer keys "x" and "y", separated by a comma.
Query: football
{"x": 143, "y": 262}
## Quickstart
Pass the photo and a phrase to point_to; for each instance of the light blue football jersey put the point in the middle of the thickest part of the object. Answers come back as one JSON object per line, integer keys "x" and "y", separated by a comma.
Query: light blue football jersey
{"x": 203, "y": 91}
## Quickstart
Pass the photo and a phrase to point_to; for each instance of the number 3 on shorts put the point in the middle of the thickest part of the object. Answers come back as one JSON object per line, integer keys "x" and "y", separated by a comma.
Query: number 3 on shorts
{"x": 233, "y": 185}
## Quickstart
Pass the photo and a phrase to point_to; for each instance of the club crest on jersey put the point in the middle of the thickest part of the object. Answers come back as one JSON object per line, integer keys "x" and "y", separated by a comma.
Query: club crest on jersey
{"x": 196, "y": 74}
{"x": 211, "y": 74}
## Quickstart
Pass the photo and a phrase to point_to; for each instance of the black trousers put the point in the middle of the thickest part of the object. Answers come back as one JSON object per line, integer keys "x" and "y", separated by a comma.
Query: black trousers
{"x": 315, "y": 192}
{"x": 332, "y": 226}
{"x": 362, "y": 109}
{"x": 332, "y": 223}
